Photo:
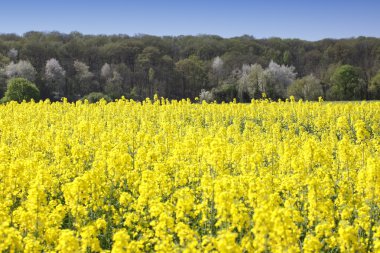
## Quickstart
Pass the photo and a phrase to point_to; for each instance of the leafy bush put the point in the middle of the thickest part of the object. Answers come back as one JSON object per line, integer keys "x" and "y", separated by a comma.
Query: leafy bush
{"x": 20, "y": 89}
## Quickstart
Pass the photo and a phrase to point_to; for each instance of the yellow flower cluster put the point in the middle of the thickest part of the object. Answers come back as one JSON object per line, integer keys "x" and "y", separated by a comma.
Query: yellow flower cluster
{"x": 172, "y": 176}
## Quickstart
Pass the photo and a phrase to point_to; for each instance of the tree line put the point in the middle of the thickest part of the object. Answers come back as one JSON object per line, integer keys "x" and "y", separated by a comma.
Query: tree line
{"x": 210, "y": 67}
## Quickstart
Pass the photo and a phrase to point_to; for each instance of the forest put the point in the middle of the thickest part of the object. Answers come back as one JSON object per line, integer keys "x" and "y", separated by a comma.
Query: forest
{"x": 207, "y": 67}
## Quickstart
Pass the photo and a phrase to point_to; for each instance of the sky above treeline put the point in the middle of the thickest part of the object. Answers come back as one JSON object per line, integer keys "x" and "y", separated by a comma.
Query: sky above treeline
{"x": 303, "y": 19}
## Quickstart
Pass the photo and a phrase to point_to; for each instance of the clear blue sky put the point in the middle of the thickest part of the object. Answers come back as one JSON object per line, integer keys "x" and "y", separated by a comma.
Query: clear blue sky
{"x": 304, "y": 19}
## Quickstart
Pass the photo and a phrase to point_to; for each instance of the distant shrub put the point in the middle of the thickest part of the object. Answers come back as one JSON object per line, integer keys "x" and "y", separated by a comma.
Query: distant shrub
{"x": 94, "y": 97}
{"x": 19, "y": 89}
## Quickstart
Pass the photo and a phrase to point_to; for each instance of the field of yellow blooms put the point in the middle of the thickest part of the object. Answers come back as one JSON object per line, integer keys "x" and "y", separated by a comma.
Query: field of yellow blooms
{"x": 173, "y": 176}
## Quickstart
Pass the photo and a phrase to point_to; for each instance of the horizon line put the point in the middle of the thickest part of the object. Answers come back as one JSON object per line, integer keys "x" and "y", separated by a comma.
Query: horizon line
{"x": 135, "y": 35}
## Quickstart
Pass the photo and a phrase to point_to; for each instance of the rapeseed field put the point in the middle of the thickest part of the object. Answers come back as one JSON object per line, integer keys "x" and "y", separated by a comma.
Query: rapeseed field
{"x": 176, "y": 176}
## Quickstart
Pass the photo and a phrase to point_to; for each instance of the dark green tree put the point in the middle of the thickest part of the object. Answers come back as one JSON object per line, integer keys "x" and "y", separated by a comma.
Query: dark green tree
{"x": 347, "y": 84}
{"x": 147, "y": 62}
{"x": 193, "y": 74}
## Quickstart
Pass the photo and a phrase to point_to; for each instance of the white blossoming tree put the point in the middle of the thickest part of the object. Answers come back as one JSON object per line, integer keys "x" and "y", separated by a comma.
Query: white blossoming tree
{"x": 23, "y": 69}
{"x": 55, "y": 78}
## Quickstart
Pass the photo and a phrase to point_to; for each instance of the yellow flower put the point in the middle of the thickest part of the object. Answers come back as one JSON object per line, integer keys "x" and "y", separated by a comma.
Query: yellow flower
{"x": 68, "y": 242}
